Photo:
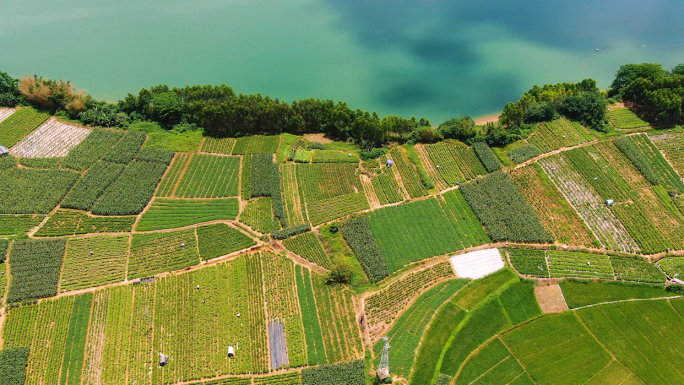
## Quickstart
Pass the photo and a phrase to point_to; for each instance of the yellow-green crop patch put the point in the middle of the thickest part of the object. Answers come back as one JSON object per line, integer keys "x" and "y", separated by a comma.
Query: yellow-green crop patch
{"x": 624, "y": 118}
{"x": 154, "y": 253}
{"x": 94, "y": 261}
{"x": 172, "y": 213}
{"x": 65, "y": 222}
{"x": 201, "y": 176}
{"x": 19, "y": 124}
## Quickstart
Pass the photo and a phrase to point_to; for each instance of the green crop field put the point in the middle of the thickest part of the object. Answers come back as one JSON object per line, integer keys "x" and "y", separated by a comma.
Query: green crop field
{"x": 624, "y": 118}
{"x": 171, "y": 213}
{"x": 19, "y": 125}
{"x": 94, "y": 261}
{"x": 64, "y": 222}
{"x": 220, "y": 239}
{"x": 155, "y": 253}
{"x": 201, "y": 176}
{"x": 299, "y": 258}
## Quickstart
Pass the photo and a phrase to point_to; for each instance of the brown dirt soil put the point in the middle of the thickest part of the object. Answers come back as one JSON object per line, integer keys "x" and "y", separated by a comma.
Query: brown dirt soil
{"x": 550, "y": 298}
{"x": 320, "y": 138}
{"x": 480, "y": 120}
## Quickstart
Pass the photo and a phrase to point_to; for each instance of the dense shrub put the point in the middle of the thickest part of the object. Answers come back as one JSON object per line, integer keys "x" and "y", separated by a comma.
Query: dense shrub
{"x": 36, "y": 267}
{"x": 291, "y": 231}
{"x": 13, "y": 364}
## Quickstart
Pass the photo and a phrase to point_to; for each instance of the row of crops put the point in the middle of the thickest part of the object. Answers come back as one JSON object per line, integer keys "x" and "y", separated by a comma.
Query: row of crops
{"x": 383, "y": 306}
{"x": 226, "y": 299}
{"x": 562, "y": 264}
{"x": 201, "y": 176}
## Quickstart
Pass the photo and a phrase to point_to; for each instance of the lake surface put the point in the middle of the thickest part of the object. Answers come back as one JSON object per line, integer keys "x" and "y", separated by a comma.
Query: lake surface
{"x": 432, "y": 58}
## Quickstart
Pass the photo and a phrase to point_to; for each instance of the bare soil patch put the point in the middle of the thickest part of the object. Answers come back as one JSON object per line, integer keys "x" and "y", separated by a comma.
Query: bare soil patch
{"x": 550, "y": 298}
{"x": 320, "y": 138}
{"x": 484, "y": 119}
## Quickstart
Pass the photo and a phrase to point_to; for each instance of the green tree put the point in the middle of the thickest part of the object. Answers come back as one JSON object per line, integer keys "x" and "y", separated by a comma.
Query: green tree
{"x": 630, "y": 72}
{"x": 462, "y": 128}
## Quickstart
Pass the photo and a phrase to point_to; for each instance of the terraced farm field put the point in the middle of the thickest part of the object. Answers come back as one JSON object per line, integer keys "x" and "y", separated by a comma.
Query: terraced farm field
{"x": 271, "y": 260}
{"x": 14, "y": 127}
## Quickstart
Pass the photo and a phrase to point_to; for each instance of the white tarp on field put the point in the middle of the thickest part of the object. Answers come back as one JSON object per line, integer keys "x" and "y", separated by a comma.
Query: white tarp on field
{"x": 5, "y": 113}
{"x": 52, "y": 139}
{"x": 477, "y": 264}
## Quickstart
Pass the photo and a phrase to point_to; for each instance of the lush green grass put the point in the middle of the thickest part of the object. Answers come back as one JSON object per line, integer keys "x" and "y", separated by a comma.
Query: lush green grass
{"x": 333, "y": 156}
{"x": 188, "y": 141}
{"x": 33, "y": 191}
{"x": 312, "y": 327}
{"x": 529, "y": 262}
{"x": 18, "y": 224}
{"x": 171, "y": 213}
{"x": 407, "y": 331}
{"x": 94, "y": 261}
{"x": 520, "y": 302}
{"x": 637, "y": 270}
{"x": 35, "y": 269}
{"x": 444, "y": 324}
{"x": 494, "y": 364}
{"x": 642, "y": 335}
{"x": 19, "y": 124}
{"x": 340, "y": 253}
{"x": 557, "y": 349}
{"x": 72, "y": 364}
{"x": 524, "y": 153}
{"x": 482, "y": 323}
{"x": 579, "y": 294}
{"x": 220, "y": 239}
{"x": 346, "y": 373}
{"x": 154, "y": 253}
{"x": 478, "y": 290}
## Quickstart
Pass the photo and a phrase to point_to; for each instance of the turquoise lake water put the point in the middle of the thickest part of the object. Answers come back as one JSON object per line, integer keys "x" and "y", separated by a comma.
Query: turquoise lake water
{"x": 432, "y": 58}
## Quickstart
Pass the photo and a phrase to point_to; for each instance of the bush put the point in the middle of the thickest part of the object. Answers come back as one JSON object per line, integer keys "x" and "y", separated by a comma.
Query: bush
{"x": 291, "y": 231}
{"x": 589, "y": 108}
{"x": 316, "y": 146}
{"x": 373, "y": 154}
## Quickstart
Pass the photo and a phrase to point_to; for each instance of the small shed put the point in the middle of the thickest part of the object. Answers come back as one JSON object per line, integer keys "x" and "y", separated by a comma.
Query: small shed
{"x": 610, "y": 202}
{"x": 163, "y": 359}
{"x": 3, "y": 150}
{"x": 390, "y": 162}
{"x": 231, "y": 351}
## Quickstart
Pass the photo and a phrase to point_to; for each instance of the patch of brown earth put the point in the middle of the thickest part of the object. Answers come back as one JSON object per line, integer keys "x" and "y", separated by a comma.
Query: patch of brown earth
{"x": 550, "y": 298}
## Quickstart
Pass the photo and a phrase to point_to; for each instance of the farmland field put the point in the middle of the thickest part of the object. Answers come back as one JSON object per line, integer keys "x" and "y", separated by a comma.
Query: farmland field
{"x": 559, "y": 133}
{"x": 92, "y": 148}
{"x": 413, "y": 231}
{"x": 31, "y": 191}
{"x": 154, "y": 253}
{"x": 624, "y": 118}
{"x": 553, "y": 210}
{"x": 64, "y": 222}
{"x": 333, "y": 156}
{"x": 293, "y": 201}
{"x": 91, "y": 185}
{"x": 130, "y": 193}
{"x": 172, "y": 213}
{"x": 455, "y": 161}
{"x": 35, "y": 269}
{"x": 220, "y": 239}
{"x": 127, "y": 148}
{"x": 94, "y": 261}
{"x": 18, "y": 224}
{"x": 582, "y": 196}
{"x": 386, "y": 188}
{"x": 309, "y": 247}
{"x": 52, "y": 139}
{"x": 256, "y": 145}
{"x": 409, "y": 174}
{"x": 218, "y": 145}
{"x": 406, "y": 332}
{"x": 201, "y": 176}
{"x": 16, "y": 126}
{"x": 258, "y": 214}
{"x": 578, "y": 294}
{"x": 502, "y": 209}
{"x": 672, "y": 145}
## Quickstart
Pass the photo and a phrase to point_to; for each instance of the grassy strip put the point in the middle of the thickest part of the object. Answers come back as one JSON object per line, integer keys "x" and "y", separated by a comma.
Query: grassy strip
{"x": 578, "y": 293}
{"x": 72, "y": 364}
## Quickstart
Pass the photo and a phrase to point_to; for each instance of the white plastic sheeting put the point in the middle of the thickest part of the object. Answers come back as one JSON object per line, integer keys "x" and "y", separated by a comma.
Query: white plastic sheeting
{"x": 52, "y": 139}
{"x": 477, "y": 264}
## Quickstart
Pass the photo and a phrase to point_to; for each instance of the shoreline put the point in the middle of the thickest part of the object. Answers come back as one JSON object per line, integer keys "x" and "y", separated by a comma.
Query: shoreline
{"x": 484, "y": 119}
